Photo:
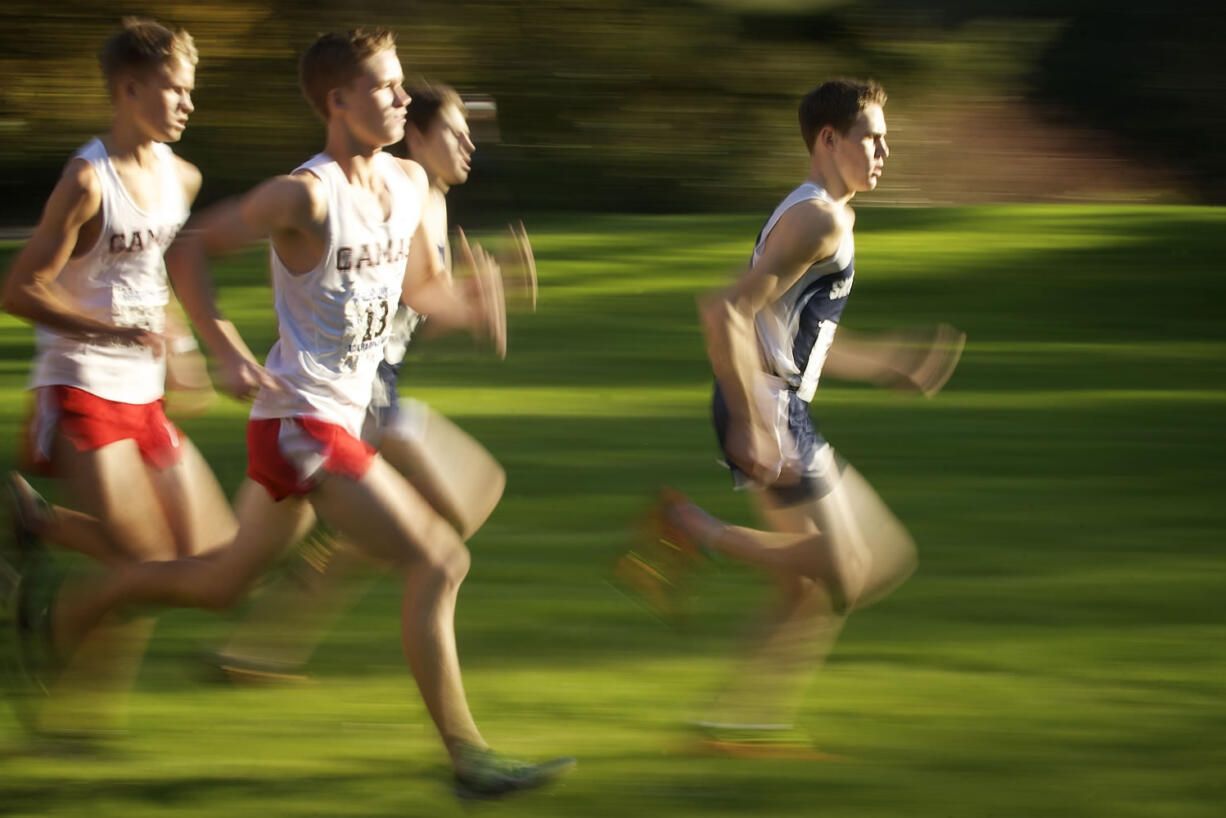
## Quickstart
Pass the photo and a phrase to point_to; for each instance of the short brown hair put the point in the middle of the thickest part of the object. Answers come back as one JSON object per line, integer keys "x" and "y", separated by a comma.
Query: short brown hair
{"x": 335, "y": 59}
{"x": 836, "y": 103}
{"x": 428, "y": 98}
{"x": 142, "y": 45}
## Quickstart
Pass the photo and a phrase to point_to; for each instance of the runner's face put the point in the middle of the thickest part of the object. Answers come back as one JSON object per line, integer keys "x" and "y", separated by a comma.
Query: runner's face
{"x": 376, "y": 100}
{"x": 445, "y": 150}
{"x": 862, "y": 151}
{"x": 162, "y": 99}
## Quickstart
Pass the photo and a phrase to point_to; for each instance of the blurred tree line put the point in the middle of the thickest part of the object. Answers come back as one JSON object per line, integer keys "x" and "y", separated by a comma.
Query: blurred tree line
{"x": 655, "y": 105}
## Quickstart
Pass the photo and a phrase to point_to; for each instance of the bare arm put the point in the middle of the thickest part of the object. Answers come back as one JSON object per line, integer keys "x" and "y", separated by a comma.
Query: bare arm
{"x": 919, "y": 360}
{"x": 805, "y": 234}
{"x": 31, "y": 291}
{"x": 177, "y": 329}
{"x": 285, "y": 208}
{"x": 476, "y": 305}
{"x": 189, "y": 392}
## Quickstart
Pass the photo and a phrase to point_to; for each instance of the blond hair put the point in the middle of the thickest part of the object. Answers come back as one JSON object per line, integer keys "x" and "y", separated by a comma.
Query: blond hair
{"x": 143, "y": 45}
{"x": 335, "y": 59}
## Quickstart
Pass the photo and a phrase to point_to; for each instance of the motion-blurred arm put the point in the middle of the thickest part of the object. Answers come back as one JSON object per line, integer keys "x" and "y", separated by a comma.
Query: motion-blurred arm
{"x": 281, "y": 208}
{"x": 475, "y": 303}
{"x": 31, "y": 291}
{"x": 920, "y": 360}
{"x": 803, "y": 235}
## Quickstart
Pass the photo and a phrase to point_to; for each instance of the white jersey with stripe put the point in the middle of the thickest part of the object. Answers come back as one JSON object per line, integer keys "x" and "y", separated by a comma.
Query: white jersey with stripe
{"x": 334, "y": 321}
{"x": 120, "y": 280}
{"x": 795, "y": 331}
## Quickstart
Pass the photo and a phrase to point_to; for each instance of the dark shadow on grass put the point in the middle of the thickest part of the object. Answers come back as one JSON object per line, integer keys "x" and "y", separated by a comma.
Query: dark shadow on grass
{"x": 263, "y": 786}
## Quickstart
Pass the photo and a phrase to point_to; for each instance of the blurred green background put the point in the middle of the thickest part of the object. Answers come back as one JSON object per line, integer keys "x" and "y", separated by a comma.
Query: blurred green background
{"x": 680, "y": 105}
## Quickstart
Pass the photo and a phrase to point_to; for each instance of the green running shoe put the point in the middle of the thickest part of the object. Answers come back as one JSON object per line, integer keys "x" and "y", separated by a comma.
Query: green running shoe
{"x": 481, "y": 773}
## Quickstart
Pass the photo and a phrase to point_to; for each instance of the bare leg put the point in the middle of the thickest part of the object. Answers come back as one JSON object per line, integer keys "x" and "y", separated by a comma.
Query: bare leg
{"x": 194, "y": 504}
{"x": 453, "y": 473}
{"x": 448, "y": 467}
{"x": 799, "y": 632}
{"x": 289, "y": 617}
{"x": 828, "y": 556}
{"x": 388, "y": 518}
{"x": 122, "y": 521}
{"x": 75, "y": 531}
{"x": 90, "y": 693}
{"x": 113, "y": 487}
{"x": 813, "y": 554}
{"x": 214, "y": 581}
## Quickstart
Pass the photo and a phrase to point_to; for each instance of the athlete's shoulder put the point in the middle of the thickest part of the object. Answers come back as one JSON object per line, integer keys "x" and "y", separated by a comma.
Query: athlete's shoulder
{"x": 189, "y": 176}
{"x": 80, "y": 176}
{"x": 77, "y": 195}
{"x": 812, "y": 227}
{"x": 296, "y": 201}
{"x": 305, "y": 194}
{"x": 291, "y": 189}
{"x": 415, "y": 172}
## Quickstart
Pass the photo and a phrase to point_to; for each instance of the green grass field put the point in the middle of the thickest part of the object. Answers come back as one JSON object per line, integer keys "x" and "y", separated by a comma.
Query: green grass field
{"x": 1059, "y": 653}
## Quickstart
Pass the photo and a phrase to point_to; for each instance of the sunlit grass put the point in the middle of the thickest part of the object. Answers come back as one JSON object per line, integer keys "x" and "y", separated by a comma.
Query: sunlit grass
{"x": 1058, "y": 653}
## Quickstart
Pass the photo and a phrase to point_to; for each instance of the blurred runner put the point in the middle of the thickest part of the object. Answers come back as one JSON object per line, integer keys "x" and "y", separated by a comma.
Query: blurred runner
{"x": 93, "y": 281}
{"x": 454, "y": 473}
{"x": 348, "y": 242}
{"x": 833, "y": 545}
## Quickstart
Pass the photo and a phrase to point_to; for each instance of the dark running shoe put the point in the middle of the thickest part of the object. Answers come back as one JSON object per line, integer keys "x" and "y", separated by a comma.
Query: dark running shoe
{"x": 481, "y": 773}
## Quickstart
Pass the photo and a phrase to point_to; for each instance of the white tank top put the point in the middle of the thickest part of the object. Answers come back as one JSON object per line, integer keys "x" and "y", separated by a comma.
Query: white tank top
{"x": 122, "y": 280}
{"x": 795, "y": 332}
{"x": 334, "y": 321}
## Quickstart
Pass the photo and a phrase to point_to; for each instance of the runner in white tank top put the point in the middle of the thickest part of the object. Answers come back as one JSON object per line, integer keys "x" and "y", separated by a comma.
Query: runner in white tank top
{"x": 455, "y": 474}
{"x": 334, "y": 320}
{"x": 307, "y": 464}
{"x": 93, "y": 281}
{"x": 833, "y": 543}
{"x": 121, "y": 279}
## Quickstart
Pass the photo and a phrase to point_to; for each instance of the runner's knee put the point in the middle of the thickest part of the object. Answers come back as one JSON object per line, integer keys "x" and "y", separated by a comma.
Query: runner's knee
{"x": 454, "y": 563}
{"x": 447, "y": 560}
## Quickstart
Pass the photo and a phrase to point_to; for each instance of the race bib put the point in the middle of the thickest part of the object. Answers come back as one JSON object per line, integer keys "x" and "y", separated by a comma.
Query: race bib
{"x": 368, "y": 322}
{"x": 146, "y": 309}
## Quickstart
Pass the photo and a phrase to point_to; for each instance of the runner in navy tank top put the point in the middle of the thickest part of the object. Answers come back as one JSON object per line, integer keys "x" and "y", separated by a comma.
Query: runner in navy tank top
{"x": 832, "y": 544}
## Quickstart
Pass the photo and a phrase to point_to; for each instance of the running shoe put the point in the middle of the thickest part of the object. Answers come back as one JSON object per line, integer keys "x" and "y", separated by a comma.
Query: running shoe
{"x": 657, "y": 568}
{"x": 481, "y": 773}
{"x": 770, "y": 741}
{"x": 240, "y": 670}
